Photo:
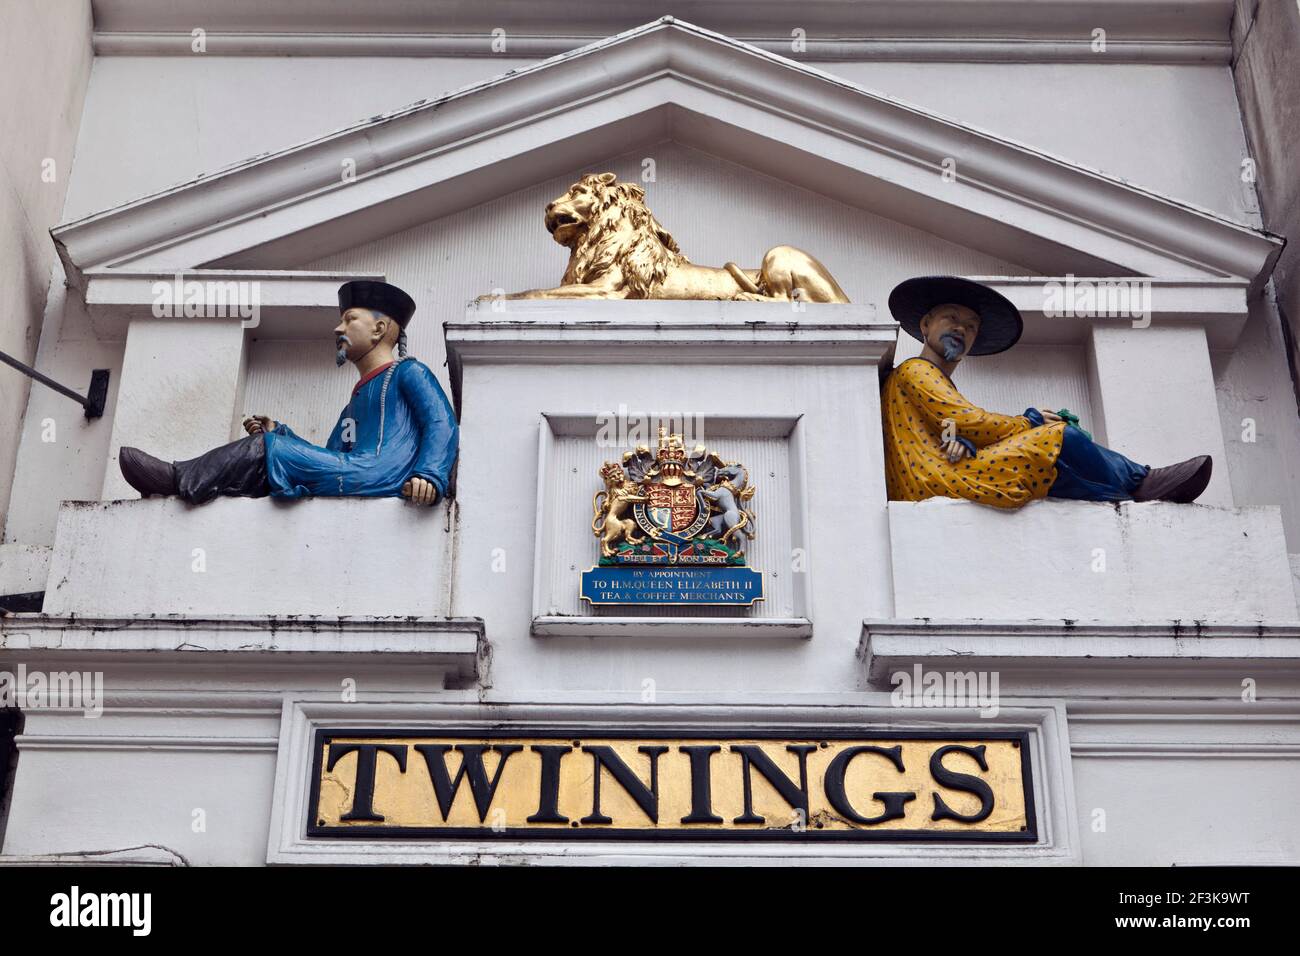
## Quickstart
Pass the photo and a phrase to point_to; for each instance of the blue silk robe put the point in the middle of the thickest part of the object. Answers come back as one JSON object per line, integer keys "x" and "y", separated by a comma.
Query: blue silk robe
{"x": 403, "y": 427}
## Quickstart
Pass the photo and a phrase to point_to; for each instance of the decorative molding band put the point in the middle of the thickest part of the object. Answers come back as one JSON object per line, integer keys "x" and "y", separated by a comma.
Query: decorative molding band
{"x": 815, "y": 50}
{"x": 125, "y": 742}
{"x": 596, "y": 331}
{"x": 1038, "y": 647}
{"x": 668, "y": 79}
{"x": 149, "y": 854}
{"x": 1218, "y": 712}
{"x": 1215, "y": 750}
{"x": 221, "y": 641}
{"x": 672, "y": 627}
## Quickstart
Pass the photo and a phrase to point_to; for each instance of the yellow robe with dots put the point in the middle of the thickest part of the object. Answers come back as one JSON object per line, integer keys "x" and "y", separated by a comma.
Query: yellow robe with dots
{"x": 1016, "y": 461}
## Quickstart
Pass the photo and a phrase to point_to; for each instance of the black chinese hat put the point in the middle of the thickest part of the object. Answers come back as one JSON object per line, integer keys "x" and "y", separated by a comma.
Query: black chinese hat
{"x": 380, "y": 296}
{"x": 1000, "y": 322}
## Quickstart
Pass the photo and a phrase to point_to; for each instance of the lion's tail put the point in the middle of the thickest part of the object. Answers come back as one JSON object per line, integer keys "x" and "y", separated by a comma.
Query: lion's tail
{"x": 745, "y": 282}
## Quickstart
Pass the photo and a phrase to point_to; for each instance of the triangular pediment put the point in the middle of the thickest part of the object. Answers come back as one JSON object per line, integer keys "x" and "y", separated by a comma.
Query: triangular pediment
{"x": 667, "y": 80}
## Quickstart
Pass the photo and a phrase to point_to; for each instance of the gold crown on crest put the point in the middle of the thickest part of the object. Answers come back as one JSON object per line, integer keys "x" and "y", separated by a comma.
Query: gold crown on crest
{"x": 671, "y": 448}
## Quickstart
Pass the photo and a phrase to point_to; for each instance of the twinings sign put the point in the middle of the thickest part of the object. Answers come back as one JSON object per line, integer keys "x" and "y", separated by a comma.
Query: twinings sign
{"x": 614, "y": 785}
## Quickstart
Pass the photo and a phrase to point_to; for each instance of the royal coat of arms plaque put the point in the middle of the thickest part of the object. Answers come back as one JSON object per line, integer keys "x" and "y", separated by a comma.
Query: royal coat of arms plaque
{"x": 674, "y": 527}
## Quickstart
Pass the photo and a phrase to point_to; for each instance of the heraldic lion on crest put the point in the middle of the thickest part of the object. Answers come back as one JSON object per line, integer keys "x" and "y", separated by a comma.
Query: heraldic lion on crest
{"x": 610, "y": 522}
{"x": 618, "y": 250}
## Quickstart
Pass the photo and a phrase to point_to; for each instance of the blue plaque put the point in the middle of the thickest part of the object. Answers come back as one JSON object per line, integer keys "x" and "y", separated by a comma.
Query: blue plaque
{"x": 629, "y": 584}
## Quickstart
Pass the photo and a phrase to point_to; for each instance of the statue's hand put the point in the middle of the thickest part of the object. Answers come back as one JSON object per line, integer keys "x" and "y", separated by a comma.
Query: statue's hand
{"x": 420, "y": 491}
{"x": 955, "y": 451}
{"x": 258, "y": 424}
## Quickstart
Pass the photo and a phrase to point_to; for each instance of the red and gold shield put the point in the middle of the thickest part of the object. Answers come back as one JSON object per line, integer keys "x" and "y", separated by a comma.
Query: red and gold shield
{"x": 672, "y": 508}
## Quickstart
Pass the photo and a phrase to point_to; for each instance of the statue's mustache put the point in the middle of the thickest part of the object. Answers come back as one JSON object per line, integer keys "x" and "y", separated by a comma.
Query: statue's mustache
{"x": 954, "y": 344}
{"x": 341, "y": 343}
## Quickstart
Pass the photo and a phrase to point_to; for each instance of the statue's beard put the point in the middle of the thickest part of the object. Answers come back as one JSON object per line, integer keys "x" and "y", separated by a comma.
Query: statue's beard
{"x": 341, "y": 356}
{"x": 953, "y": 346}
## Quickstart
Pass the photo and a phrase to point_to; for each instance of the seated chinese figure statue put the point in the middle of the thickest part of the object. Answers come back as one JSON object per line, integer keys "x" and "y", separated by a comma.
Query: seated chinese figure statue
{"x": 397, "y": 436}
{"x": 939, "y": 445}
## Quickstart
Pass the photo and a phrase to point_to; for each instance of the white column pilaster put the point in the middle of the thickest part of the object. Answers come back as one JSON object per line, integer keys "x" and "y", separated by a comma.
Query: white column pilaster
{"x": 1154, "y": 391}
{"x": 181, "y": 382}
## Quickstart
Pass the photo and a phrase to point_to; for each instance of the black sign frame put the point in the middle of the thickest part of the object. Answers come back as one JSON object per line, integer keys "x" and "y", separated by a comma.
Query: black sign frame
{"x": 322, "y": 736}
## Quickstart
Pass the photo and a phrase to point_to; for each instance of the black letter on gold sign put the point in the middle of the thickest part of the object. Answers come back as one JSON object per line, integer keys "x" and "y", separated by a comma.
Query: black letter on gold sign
{"x": 834, "y": 782}
{"x": 797, "y": 797}
{"x": 471, "y": 762}
{"x": 548, "y": 793}
{"x": 363, "y": 789}
{"x": 960, "y": 781}
{"x": 646, "y": 798}
{"x": 701, "y": 785}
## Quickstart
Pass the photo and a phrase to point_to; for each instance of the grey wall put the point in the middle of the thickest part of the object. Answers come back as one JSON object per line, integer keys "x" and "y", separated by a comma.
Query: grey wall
{"x": 45, "y": 58}
{"x": 1265, "y": 43}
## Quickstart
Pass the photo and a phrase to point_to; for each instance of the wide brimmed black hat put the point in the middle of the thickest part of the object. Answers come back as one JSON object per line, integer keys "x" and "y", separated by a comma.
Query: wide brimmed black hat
{"x": 1000, "y": 321}
{"x": 380, "y": 296}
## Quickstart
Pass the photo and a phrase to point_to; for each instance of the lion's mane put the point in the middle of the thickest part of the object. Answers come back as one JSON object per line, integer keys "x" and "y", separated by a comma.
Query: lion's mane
{"x": 645, "y": 252}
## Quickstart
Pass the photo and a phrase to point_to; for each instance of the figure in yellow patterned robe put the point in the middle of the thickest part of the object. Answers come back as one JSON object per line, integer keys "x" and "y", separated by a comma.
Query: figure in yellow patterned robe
{"x": 938, "y": 445}
{"x": 1015, "y": 460}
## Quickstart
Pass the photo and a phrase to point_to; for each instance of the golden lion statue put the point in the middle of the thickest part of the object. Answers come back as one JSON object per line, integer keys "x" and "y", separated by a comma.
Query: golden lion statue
{"x": 618, "y": 250}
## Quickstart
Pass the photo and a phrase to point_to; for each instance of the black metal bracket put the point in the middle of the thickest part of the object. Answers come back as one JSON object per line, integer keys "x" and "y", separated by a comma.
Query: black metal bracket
{"x": 94, "y": 399}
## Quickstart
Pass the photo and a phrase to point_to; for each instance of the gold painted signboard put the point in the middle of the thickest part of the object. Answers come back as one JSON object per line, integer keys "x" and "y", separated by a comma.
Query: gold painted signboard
{"x": 608, "y": 784}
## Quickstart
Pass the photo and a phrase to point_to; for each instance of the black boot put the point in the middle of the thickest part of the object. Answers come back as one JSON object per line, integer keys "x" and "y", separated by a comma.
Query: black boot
{"x": 145, "y": 473}
{"x": 1182, "y": 483}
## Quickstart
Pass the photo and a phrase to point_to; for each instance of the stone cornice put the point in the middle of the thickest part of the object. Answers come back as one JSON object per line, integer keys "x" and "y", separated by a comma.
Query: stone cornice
{"x": 667, "y": 79}
{"x": 538, "y": 46}
{"x": 1123, "y": 20}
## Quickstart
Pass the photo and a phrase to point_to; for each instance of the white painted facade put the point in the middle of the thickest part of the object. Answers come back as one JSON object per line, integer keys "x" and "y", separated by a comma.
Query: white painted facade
{"x": 1161, "y": 692}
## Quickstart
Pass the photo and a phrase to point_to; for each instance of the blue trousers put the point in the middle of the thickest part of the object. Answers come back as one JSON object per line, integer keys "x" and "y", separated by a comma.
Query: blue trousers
{"x": 1087, "y": 471}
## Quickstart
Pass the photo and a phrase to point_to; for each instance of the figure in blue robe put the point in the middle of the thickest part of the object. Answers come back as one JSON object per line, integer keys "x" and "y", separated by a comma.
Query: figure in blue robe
{"x": 398, "y": 425}
{"x": 397, "y": 436}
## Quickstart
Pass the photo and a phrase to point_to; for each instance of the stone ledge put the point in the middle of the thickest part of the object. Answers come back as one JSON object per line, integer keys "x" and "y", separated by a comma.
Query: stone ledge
{"x": 1160, "y": 562}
